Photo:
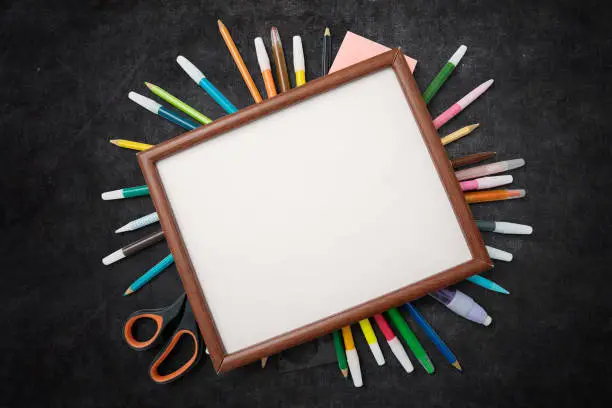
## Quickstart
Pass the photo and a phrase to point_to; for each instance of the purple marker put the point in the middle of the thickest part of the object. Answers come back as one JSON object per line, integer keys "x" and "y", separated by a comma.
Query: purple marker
{"x": 463, "y": 305}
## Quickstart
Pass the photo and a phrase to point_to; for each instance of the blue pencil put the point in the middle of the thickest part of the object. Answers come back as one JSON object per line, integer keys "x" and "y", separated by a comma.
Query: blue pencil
{"x": 200, "y": 79}
{"x": 158, "y": 109}
{"x": 150, "y": 274}
{"x": 433, "y": 336}
{"x": 487, "y": 284}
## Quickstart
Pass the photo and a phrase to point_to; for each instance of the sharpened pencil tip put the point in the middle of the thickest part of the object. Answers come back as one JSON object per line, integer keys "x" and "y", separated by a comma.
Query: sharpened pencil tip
{"x": 114, "y": 141}
{"x": 457, "y": 366}
{"x": 149, "y": 85}
{"x": 327, "y": 32}
{"x": 344, "y": 372}
{"x": 129, "y": 291}
{"x": 264, "y": 361}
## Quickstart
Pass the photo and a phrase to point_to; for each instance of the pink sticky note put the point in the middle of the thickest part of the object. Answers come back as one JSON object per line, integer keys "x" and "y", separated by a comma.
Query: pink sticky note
{"x": 355, "y": 48}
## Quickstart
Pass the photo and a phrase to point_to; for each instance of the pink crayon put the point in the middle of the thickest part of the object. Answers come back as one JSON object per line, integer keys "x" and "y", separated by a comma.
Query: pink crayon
{"x": 461, "y": 104}
{"x": 485, "y": 182}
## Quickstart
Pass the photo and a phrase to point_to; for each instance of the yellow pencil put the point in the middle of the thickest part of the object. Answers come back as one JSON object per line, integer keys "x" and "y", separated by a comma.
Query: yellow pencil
{"x": 231, "y": 46}
{"x": 128, "y": 144}
{"x": 368, "y": 333}
{"x": 458, "y": 134}
{"x": 299, "y": 66}
{"x": 351, "y": 356}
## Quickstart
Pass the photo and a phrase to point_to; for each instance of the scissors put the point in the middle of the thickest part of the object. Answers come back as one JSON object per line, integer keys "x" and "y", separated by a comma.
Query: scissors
{"x": 179, "y": 310}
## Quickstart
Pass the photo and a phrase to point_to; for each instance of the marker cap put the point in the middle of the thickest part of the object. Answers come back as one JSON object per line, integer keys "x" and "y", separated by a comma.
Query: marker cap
{"x": 499, "y": 254}
{"x": 512, "y": 228}
{"x": 147, "y": 103}
{"x": 262, "y": 55}
{"x": 377, "y": 352}
{"x": 191, "y": 70}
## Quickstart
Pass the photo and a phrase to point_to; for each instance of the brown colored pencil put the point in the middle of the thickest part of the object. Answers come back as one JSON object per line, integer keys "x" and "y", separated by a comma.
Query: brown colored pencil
{"x": 282, "y": 76}
{"x": 472, "y": 159}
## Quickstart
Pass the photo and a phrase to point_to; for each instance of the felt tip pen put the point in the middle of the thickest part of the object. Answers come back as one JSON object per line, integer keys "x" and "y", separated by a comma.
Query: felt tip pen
{"x": 200, "y": 79}
{"x": 502, "y": 227}
{"x": 394, "y": 344}
{"x": 134, "y": 247}
{"x": 498, "y": 254}
{"x": 264, "y": 66}
{"x": 463, "y": 305}
{"x": 485, "y": 182}
{"x": 150, "y": 274}
{"x": 370, "y": 336}
{"x": 139, "y": 223}
{"x": 444, "y": 73}
{"x": 461, "y": 104}
{"x": 475, "y": 197}
{"x": 488, "y": 169}
{"x": 351, "y": 356}
{"x": 156, "y": 108}
{"x": 299, "y": 66}
{"x": 127, "y": 192}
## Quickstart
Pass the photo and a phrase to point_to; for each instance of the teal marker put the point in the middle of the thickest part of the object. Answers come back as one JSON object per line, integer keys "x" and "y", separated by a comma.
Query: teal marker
{"x": 156, "y": 108}
{"x": 443, "y": 75}
{"x": 127, "y": 192}
{"x": 150, "y": 274}
{"x": 487, "y": 284}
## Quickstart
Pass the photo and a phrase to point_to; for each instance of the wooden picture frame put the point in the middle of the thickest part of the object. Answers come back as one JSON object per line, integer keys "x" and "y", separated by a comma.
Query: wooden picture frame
{"x": 458, "y": 257}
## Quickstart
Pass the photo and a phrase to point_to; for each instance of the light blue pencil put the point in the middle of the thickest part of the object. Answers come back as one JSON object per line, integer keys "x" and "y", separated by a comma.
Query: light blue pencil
{"x": 139, "y": 223}
{"x": 150, "y": 274}
{"x": 487, "y": 284}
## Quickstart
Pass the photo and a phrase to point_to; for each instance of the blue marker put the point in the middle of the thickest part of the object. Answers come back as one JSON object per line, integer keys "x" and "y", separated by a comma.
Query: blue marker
{"x": 156, "y": 108}
{"x": 200, "y": 79}
{"x": 487, "y": 284}
{"x": 433, "y": 336}
{"x": 150, "y": 274}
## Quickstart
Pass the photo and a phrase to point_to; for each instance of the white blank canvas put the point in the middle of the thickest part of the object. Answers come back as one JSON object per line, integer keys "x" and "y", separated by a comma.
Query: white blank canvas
{"x": 312, "y": 210}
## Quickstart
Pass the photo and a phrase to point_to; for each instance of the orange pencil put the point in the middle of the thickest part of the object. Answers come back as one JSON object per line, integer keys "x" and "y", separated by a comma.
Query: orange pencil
{"x": 493, "y": 195}
{"x": 264, "y": 65}
{"x": 231, "y": 46}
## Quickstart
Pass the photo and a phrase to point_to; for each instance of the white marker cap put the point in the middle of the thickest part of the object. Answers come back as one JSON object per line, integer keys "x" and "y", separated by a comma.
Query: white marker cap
{"x": 512, "y": 228}
{"x": 458, "y": 55}
{"x": 493, "y": 181}
{"x": 298, "y": 54}
{"x": 262, "y": 55}
{"x": 355, "y": 369}
{"x": 400, "y": 353}
{"x": 114, "y": 257}
{"x": 147, "y": 103}
{"x": 191, "y": 70}
{"x": 488, "y": 321}
{"x": 515, "y": 163}
{"x": 112, "y": 195}
{"x": 498, "y": 254}
{"x": 377, "y": 352}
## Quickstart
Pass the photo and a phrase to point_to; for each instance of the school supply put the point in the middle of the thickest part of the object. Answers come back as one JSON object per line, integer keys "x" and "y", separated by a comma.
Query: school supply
{"x": 136, "y": 246}
{"x": 502, "y": 227}
{"x": 127, "y": 192}
{"x": 150, "y": 274}
{"x": 444, "y": 73}
{"x": 139, "y": 223}
{"x": 460, "y": 105}
{"x": 463, "y": 305}
{"x": 156, "y": 108}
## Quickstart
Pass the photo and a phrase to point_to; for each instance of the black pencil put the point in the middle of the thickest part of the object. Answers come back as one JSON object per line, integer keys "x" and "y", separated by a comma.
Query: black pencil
{"x": 326, "y": 59}
{"x": 134, "y": 247}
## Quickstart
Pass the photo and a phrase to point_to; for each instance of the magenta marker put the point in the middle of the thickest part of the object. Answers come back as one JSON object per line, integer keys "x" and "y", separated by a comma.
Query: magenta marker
{"x": 461, "y": 104}
{"x": 463, "y": 305}
{"x": 485, "y": 182}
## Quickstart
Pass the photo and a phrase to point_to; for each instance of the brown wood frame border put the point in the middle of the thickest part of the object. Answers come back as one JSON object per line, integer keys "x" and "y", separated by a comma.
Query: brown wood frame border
{"x": 221, "y": 360}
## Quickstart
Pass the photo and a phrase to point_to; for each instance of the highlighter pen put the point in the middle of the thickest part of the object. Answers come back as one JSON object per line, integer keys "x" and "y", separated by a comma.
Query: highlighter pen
{"x": 485, "y": 182}
{"x": 394, "y": 344}
{"x": 134, "y": 247}
{"x": 501, "y": 227}
{"x": 368, "y": 333}
{"x": 139, "y": 223}
{"x": 410, "y": 339}
{"x": 264, "y": 66}
{"x": 498, "y": 254}
{"x": 463, "y": 305}
{"x": 351, "y": 356}
{"x": 299, "y": 66}
{"x": 199, "y": 78}
{"x": 156, "y": 108}
{"x": 488, "y": 169}
{"x": 127, "y": 192}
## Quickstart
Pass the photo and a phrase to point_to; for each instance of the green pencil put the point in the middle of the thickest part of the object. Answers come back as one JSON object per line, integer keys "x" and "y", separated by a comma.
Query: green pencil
{"x": 443, "y": 75}
{"x": 342, "y": 363}
{"x": 177, "y": 103}
{"x": 411, "y": 340}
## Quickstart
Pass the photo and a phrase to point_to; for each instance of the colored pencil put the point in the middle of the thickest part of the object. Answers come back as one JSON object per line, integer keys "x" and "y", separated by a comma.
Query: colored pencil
{"x": 433, "y": 336}
{"x": 487, "y": 284}
{"x": 128, "y": 144}
{"x": 326, "y": 55}
{"x": 139, "y": 223}
{"x": 150, "y": 274}
{"x": 299, "y": 65}
{"x": 458, "y": 134}
{"x": 127, "y": 192}
{"x": 279, "y": 61}
{"x": 485, "y": 182}
{"x": 178, "y": 104}
{"x": 461, "y": 104}
{"x": 134, "y": 247}
{"x": 498, "y": 254}
{"x": 264, "y": 66}
{"x": 199, "y": 78}
{"x": 264, "y": 361}
{"x": 501, "y": 227}
{"x": 489, "y": 169}
{"x": 340, "y": 355}
{"x": 246, "y": 76}
{"x": 493, "y": 195}
{"x": 472, "y": 159}
{"x": 411, "y": 340}
{"x": 394, "y": 343}
{"x": 443, "y": 75}
{"x": 370, "y": 336}
{"x": 351, "y": 356}
{"x": 463, "y": 305}
{"x": 158, "y": 109}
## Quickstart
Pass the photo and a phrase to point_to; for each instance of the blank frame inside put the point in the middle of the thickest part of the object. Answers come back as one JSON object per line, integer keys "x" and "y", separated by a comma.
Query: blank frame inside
{"x": 312, "y": 210}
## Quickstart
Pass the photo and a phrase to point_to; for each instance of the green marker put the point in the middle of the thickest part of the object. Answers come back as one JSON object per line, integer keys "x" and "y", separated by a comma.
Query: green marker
{"x": 443, "y": 75}
{"x": 178, "y": 104}
{"x": 342, "y": 363}
{"x": 127, "y": 192}
{"x": 411, "y": 340}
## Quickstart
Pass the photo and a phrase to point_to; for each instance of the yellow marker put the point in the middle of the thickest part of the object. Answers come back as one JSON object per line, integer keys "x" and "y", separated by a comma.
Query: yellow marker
{"x": 458, "y": 134}
{"x": 370, "y": 337}
{"x": 128, "y": 144}
{"x": 351, "y": 356}
{"x": 299, "y": 66}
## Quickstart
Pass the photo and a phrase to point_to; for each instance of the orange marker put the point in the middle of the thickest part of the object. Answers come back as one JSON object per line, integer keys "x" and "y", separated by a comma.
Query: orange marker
{"x": 231, "y": 46}
{"x": 493, "y": 195}
{"x": 264, "y": 65}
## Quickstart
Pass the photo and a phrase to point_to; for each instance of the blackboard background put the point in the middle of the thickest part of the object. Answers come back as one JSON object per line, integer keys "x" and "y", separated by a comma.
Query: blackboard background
{"x": 66, "y": 69}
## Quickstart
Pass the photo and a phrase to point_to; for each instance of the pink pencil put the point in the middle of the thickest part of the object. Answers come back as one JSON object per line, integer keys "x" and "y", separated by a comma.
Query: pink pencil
{"x": 485, "y": 182}
{"x": 394, "y": 343}
{"x": 461, "y": 104}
